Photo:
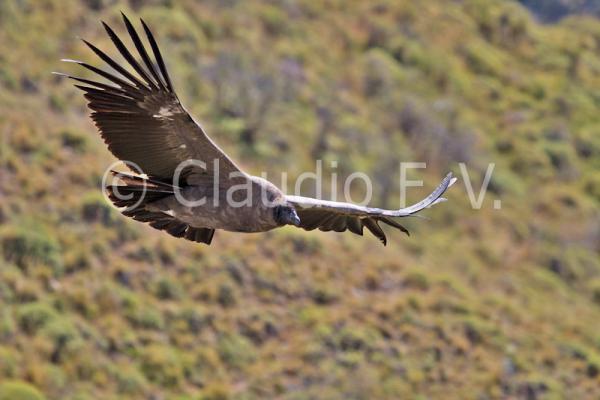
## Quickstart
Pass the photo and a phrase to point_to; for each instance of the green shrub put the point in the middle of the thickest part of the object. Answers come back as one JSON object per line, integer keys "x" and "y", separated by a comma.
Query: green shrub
{"x": 226, "y": 295}
{"x": 592, "y": 187}
{"x": 352, "y": 339}
{"x": 417, "y": 280}
{"x": 236, "y": 350}
{"x": 7, "y": 325}
{"x": 595, "y": 289}
{"x": 63, "y": 335}
{"x": 216, "y": 391}
{"x": 168, "y": 289}
{"x": 18, "y": 390}
{"x": 274, "y": 19}
{"x": 161, "y": 366}
{"x": 484, "y": 59}
{"x": 147, "y": 318}
{"x": 27, "y": 246}
{"x": 129, "y": 380}
{"x": 74, "y": 140}
{"x": 8, "y": 362}
{"x": 34, "y": 316}
{"x": 96, "y": 209}
{"x": 563, "y": 158}
{"x": 381, "y": 72}
{"x": 194, "y": 320}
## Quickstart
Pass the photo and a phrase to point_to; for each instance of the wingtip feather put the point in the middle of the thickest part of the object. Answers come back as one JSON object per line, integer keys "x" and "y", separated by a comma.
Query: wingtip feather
{"x": 125, "y": 18}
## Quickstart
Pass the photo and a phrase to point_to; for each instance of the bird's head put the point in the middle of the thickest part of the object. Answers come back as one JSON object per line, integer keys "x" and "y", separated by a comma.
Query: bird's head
{"x": 285, "y": 215}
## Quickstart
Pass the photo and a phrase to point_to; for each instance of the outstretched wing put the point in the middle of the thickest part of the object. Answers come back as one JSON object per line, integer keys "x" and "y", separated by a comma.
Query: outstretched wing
{"x": 339, "y": 216}
{"x": 140, "y": 117}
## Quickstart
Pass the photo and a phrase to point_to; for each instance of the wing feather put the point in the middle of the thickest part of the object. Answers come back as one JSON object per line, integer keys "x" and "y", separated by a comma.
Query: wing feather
{"x": 340, "y": 216}
{"x": 141, "y": 118}
{"x": 354, "y": 225}
{"x": 142, "y": 50}
{"x": 375, "y": 229}
{"x": 127, "y": 55}
{"x": 158, "y": 56}
{"x": 114, "y": 64}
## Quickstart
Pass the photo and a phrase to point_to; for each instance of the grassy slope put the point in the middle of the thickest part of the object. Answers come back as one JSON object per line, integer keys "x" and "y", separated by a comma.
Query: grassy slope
{"x": 477, "y": 303}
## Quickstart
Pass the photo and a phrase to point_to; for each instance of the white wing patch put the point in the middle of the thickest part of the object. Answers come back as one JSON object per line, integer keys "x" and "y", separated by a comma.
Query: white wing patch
{"x": 164, "y": 113}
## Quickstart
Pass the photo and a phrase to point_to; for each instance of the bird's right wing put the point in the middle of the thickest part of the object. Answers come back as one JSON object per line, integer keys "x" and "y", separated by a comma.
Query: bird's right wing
{"x": 140, "y": 117}
{"x": 339, "y": 216}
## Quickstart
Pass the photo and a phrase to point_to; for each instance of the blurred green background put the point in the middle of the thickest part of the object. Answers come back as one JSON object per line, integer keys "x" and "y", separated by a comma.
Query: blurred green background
{"x": 476, "y": 304}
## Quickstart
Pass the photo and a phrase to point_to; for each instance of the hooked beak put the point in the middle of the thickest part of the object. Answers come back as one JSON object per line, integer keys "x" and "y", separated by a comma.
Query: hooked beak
{"x": 294, "y": 219}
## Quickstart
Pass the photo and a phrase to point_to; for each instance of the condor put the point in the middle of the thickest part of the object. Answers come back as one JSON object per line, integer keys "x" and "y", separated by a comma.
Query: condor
{"x": 142, "y": 121}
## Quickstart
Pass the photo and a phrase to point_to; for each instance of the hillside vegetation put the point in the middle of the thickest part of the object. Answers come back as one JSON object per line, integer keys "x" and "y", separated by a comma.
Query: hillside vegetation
{"x": 475, "y": 304}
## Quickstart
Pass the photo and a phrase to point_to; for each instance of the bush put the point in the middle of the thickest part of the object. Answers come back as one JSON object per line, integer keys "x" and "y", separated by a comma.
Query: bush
{"x": 95, "y": 208}
{"x": 146, "y": 318}
{"x": 29, "y": 246}
{"x": 64, "y": 337}
{"x": 273, "y": 19}
{"x": 216, "y": 391}
{"x": 226, "y": 296}
{"x": 595, "y": 288}
{"x": 129, "y": 380}
{"x": 167, "y": 289}
{"x": 34, "y": 316}
{"x": 74, "y": 140}
{"x": 161, "y": 366}
{"x": 236, "y": 350}
{"x": 9, "y": 364}
{"x": 18, "y": 390}
{"x": 417, "y": 280}
{"x": 381, "y": 73}
{"x": 484, "y": 60}
{"x": 352, "y": 339}
{"x": 7, "y": 325}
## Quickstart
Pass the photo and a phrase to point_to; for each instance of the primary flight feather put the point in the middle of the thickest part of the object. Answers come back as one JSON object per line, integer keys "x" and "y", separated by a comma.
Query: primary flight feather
{"x": 143, "y": 122}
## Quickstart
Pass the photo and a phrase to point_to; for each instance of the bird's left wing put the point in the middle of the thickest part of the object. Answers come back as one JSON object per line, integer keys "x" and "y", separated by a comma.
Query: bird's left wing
{"x": 339, "y": 216}
{"x": 140, "y": 117}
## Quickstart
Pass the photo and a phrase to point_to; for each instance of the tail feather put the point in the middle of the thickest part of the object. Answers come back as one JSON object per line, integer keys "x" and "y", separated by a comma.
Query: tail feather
{"x": 136, "y": 192}
{"x": 131, "y": 179}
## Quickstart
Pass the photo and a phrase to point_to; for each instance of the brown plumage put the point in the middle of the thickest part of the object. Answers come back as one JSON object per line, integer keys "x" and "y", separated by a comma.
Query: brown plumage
{"x": 141, "y": 119}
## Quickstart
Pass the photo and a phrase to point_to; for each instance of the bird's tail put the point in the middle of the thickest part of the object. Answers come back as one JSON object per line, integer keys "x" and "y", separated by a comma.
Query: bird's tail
{"x": 134, "y": 191}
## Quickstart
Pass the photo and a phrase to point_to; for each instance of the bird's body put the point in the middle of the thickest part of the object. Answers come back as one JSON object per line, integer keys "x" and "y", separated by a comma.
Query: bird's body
{"x": 186, "y": 185}
{"x": 247, "y": 209}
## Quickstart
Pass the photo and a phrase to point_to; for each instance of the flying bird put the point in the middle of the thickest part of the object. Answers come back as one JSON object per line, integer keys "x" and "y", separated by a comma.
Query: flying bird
{"x": 142, "y": 121}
